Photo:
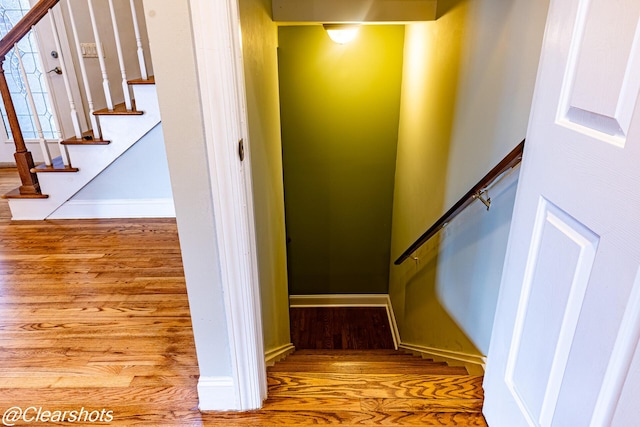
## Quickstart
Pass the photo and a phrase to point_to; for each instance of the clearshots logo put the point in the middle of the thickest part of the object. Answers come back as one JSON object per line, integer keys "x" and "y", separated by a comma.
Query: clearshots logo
{"x": 32, "y": 414}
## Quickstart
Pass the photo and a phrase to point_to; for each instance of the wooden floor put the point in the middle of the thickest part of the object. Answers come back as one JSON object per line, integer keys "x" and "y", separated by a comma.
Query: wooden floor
{"x": 340, "y": 328}
{"x": 94, "y": 317}
{"x": 8, "y": 181}
{"x": 365, "y": 388}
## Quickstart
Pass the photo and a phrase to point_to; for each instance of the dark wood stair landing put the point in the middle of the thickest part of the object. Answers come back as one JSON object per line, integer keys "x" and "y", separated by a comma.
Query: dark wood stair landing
{"x": 340, "y": 328}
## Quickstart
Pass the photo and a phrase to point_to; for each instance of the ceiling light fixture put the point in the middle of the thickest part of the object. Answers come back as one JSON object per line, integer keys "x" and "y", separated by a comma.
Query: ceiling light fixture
{"x": 342, "y": 33}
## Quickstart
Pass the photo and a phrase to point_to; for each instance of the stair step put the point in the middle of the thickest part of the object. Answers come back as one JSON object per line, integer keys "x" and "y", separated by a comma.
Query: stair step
{"x": 375, "y": 386}
{"x": 349, "y": 353}
{"x": 372, "y": 367}
{"x": 294, "y": 403}
{"x": 361, "y": 358}
{"x": 119, "y": 110}
{"x": 15, "y": 194}
{"x": 88, "y": 138}
{"x": 345, "y": 418}
{"x": 150, "y": 81}
{"x": 56, "y": 166}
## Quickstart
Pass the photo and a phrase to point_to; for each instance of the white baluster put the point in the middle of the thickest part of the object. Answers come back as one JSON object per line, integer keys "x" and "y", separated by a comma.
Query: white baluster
{"x": 34, "y": 110}
{"x": 103, "y": 67}
{"x": 65, "y": 78}
{"x": 123, "y": 72}
{"x": 136, "y": 29}
{"x": 97, "y": 133}
{"x": 64, "y": 154}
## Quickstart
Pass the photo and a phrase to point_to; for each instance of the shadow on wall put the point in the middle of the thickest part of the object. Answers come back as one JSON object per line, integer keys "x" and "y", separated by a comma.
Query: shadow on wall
{"x": 471, "y": 258}
{"x": 432, "y": 324}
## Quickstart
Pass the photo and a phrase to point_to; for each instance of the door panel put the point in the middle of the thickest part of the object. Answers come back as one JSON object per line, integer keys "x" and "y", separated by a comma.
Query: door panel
{"x": 560, "y": 261}
{"x": 602, "y": 110}
{"x": 565, "y": 322}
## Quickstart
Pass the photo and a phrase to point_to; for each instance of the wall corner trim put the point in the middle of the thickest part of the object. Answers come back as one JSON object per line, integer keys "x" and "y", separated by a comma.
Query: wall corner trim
{"x": 216, "y": 394}
{"x": 350, "y": 300}
{"x": 472, "y": 362}
{"x": 277, "y": 354}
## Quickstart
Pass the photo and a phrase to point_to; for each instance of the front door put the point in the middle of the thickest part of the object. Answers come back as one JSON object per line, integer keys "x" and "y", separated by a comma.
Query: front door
{"x": 564, "y": 349}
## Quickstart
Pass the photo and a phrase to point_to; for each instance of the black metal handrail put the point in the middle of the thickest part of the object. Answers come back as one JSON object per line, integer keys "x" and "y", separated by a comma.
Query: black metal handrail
{"x": 510, "y": 160}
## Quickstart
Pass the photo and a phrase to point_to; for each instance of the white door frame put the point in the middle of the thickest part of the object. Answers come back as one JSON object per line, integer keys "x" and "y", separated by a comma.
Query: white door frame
{"x": 216, "y": 28}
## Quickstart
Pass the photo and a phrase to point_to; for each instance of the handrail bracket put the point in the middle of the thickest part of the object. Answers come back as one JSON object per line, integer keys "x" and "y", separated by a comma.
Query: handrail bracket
{"x": 486, "y": 202}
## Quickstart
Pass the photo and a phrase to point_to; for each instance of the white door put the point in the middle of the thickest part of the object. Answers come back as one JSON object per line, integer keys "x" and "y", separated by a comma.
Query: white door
{"x": 47, "y": 46}
{"x": 564, "y": 349}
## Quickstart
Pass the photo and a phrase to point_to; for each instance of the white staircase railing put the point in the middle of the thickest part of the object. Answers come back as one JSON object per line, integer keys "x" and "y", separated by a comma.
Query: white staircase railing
{"x": 122, "y": 49}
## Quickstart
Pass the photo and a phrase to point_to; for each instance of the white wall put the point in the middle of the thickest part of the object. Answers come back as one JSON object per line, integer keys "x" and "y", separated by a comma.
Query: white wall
{"x": 169, "y": 25}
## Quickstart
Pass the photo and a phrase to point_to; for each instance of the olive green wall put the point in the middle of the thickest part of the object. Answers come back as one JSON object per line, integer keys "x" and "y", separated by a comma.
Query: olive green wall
{"x": 340, "y": 109}
{"x": 259, "y": 45}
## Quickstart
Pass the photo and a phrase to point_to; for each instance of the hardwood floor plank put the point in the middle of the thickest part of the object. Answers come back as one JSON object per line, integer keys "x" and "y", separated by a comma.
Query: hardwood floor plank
{"x": 424, "y": 405}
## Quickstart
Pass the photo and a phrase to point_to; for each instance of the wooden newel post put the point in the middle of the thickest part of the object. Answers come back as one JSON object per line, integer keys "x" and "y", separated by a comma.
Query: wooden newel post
{"x": 24, "y": 160}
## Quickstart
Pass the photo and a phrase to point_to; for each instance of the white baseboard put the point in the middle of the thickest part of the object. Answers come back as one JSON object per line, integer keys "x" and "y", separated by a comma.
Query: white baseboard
{"x": 272, "y": 356}
{"x": 115, "y": 208}
{"x": 475, "y": 364}
{"x": 217, "y": 394}
{"x": 350, "y": 300}
{"x": 338, "y": 300}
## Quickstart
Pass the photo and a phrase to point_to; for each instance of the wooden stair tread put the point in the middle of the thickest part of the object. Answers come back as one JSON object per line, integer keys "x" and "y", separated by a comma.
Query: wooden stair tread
{"x": 119, "y": 110}
{"x": 88, "y": 138}
{"x": 149, "y": 81}
{"x": 380, "y": 405}
{"x": 362, "y": 358}
{"x": 345, "y": 418}
{"x": 375, "y": 385}
{"x": 56, "y": 166}
{"x": 15, "y": 194}
{"x": 351, "y": 369}
{"x": 349, "y": 353}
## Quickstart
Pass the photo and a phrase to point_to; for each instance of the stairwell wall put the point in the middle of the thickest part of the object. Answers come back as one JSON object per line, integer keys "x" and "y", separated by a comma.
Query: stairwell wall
{"x": 259, "y": 44}
{"x": 467, "y": 87}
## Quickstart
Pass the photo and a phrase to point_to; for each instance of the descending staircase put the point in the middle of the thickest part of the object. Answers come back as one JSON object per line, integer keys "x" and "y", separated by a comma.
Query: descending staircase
{"x": 366, "y": 387}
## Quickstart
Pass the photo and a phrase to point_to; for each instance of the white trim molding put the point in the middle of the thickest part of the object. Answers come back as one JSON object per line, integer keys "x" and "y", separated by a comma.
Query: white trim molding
{"x": 216, "y": 394}
{"x": 116, "y": 208}
{"x": 216, "y": 31}
{"x": 474, "y": 363}
{"x": 277, "y": 354}
{"x": 350, "y": 300}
